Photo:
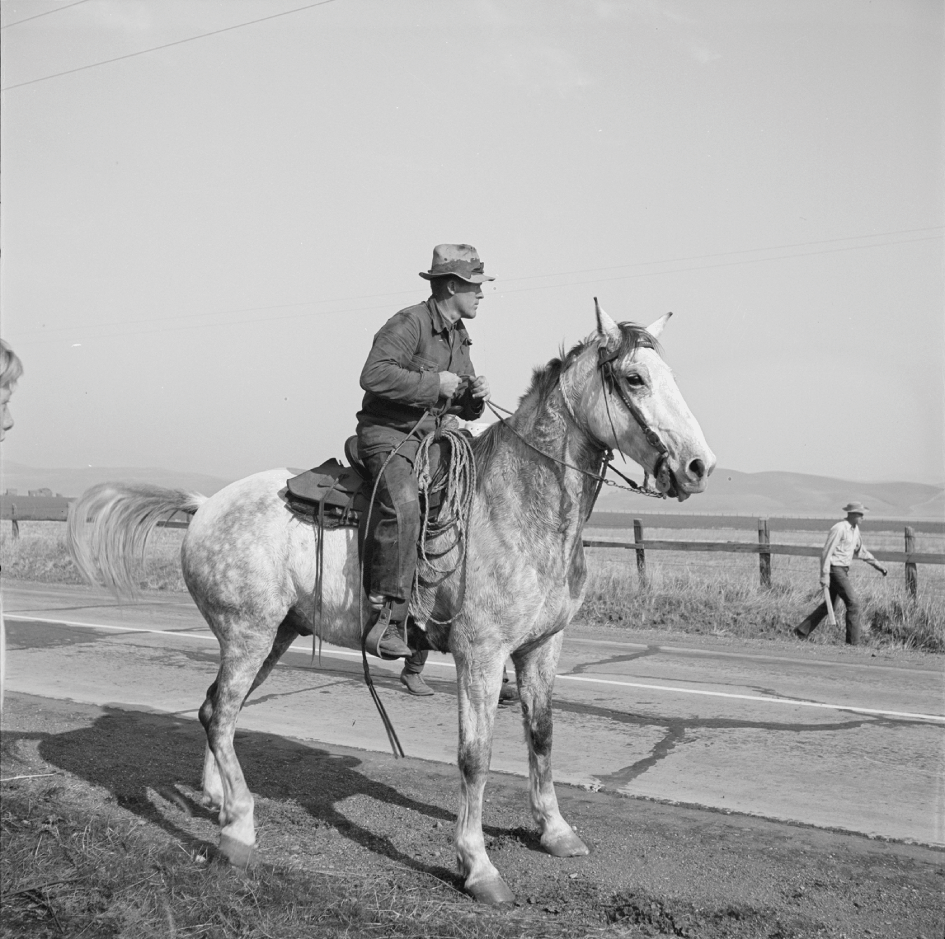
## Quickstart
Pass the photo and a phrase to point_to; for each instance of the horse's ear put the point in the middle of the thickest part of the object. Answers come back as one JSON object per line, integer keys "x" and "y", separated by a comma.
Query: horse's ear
{"x": 654, "y": 329}
{"x": 607, "y": 329}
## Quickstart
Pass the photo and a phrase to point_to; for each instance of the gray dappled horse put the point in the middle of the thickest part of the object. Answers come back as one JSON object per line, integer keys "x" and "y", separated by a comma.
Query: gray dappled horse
{"x": 250, "y": 566}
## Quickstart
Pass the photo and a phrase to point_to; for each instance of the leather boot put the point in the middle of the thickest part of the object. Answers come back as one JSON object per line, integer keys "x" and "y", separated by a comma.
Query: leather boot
{"x": 410, "y": 677}
{"x": 415, "y": 684}
{"x": 385, "y": 637}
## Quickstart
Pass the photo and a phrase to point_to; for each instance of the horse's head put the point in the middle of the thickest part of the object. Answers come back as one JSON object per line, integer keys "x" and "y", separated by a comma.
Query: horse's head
{"x": 629, "y": 401}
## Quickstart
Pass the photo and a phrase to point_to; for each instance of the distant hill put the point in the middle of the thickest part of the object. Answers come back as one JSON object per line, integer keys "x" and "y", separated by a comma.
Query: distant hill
{"x": 73, "y": 482}
{"x": 777, "y": 493}
{"x": 730, "y": 492}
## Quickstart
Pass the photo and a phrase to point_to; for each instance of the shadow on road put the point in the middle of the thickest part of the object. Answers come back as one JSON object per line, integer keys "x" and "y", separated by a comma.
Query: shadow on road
{"x": 132, "y": 754}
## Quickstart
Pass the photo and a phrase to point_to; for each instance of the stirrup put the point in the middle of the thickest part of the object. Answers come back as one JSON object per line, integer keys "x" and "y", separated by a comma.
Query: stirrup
{"x": 376, "y": 634}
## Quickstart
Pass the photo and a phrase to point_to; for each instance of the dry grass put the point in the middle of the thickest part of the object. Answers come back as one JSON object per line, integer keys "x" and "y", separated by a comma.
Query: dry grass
{"x": 695, "y": 593}
{"x": 40, "y": 555}
{"x": 726, "y": 605}
{"x": 72, "y": 870}
{"x": 720, "y": 594}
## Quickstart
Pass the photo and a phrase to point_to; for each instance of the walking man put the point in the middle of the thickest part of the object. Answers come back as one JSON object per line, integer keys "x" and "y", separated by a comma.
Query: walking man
{"x": 418, "y": 371}
{"x": 843, "y": 544}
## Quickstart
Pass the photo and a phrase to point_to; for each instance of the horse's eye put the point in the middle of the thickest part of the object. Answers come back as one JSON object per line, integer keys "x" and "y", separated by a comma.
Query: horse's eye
{"x": 635, "y": 381}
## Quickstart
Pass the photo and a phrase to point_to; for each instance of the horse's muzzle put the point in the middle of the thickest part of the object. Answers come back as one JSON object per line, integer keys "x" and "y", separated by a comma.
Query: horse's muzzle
{"x": 683, "y": 481}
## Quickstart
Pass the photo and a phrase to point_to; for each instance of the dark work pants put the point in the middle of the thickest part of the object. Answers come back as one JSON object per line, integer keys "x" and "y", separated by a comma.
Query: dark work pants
{"x": 841, "y": 587}
{"x": 414, "y": 665}
{"x": 394, "y": 527}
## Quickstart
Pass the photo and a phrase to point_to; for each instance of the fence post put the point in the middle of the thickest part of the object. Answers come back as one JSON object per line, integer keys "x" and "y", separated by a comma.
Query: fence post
{"x": 641, "y": 554}
{"x": 764, "y": 556}
{"x": 912, "y": 573}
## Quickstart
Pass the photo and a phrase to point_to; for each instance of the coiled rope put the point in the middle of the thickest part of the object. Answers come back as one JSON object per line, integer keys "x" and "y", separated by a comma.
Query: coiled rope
{"x": 455, "y": 479}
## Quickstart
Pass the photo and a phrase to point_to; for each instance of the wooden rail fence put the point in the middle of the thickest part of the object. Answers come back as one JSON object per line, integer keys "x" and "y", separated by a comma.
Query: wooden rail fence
{"x": 764, "y": 549}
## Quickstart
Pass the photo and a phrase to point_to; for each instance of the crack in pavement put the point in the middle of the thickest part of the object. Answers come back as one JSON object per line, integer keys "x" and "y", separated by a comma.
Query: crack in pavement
{"x": 677, "y": 729}
{"x": 627, "y": 774}
{"x": 614, "y": 660}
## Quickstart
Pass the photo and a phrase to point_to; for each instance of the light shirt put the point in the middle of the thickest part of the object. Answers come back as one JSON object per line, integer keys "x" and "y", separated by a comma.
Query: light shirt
{"x": 843, "y": 545}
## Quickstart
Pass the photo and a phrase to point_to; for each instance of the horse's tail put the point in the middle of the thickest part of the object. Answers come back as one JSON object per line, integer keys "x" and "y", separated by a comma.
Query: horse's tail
{"x": 109, "y": 526}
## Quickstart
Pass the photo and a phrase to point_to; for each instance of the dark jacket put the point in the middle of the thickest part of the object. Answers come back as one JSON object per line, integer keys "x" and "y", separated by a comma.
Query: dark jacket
{"x": 401, "y": 376}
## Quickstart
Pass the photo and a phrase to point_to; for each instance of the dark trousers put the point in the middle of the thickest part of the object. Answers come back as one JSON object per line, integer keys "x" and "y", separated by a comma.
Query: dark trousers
{"x": 414, "y": 665}
{"x": 841, "y": 587}
{"x": 390, "y": 545}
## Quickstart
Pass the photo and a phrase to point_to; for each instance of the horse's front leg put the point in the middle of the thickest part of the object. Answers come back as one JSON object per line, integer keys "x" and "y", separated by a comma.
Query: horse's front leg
{"x": 535, "y": 671}
{"x": 478, "y": 683}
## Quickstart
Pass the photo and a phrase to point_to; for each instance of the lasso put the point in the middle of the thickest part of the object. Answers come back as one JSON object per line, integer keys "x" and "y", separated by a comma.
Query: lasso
{"x": 455, "y": 478}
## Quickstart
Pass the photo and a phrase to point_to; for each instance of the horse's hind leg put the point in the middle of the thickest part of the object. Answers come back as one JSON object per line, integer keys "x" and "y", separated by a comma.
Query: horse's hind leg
{"x": 212, "y": 785}
{"x": 535, "y": 671}
{"x": 244, "y": 666}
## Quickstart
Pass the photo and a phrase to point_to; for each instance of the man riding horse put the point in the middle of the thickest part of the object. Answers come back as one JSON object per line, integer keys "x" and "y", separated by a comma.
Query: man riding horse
{"x": 418, "y": 372}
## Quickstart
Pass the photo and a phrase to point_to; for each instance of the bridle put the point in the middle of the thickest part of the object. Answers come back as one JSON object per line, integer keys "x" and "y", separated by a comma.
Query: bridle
{"x": 609, "y": 381}
{"x": 609, "y": 384}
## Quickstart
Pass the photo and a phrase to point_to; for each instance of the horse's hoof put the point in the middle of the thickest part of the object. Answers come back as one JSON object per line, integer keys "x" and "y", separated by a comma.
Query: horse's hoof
{"x": 238, "y": 853}
{"x": 565, "y": 845}
{"x": 495, "y": 892}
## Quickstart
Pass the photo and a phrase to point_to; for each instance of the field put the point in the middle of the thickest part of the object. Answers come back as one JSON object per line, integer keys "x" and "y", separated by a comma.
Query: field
{"x": 686, "y": 592}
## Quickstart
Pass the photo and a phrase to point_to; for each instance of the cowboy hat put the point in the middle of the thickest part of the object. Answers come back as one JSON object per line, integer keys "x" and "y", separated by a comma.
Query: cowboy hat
{"x": 460, "y": 261}
{"x": 856, "y": 507}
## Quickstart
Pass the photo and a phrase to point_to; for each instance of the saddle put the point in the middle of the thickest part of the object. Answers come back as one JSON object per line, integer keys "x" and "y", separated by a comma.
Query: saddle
{"x": 333, "y": 494}
{"x": 337, "y": 496}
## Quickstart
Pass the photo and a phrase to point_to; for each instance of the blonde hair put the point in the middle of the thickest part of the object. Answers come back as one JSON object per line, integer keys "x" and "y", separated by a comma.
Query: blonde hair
{"x": 11, "y": 368}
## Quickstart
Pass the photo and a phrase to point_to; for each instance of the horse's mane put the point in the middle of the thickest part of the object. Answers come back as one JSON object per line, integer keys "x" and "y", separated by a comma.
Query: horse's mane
{"x": 545, "y": 379}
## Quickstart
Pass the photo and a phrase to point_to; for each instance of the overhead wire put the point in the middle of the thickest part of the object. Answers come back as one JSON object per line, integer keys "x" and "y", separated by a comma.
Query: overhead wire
{"x": 167, "y": 45}
{"x": 270, "y": 319}
{"x": 58, "y": 9}
{"x": 708, "y": 267}
{"x": 629, "y": 276}
{"x": 723, "y": 254}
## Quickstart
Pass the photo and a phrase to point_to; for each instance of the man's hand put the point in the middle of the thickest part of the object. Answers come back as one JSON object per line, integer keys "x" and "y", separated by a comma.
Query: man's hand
{"x": 449, "y": 384}
{"x": 480, "y": 388}
{"x": 882, "y": 569}
{"x": 825, "y": 581}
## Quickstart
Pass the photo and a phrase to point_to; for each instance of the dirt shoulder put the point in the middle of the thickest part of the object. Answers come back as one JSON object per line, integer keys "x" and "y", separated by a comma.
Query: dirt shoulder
{"x": 654, "y": 870}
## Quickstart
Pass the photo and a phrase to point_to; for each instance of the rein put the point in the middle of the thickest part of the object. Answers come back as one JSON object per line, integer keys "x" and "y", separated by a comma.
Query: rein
{"x": 459, "y": 484}
{"x": 459, "y": 494}
{"x": 605, "y": 367}
{"x": 398, "y": 750}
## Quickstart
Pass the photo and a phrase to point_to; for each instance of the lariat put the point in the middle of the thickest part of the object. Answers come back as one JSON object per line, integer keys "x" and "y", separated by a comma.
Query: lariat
{"x": 455, "y": 480}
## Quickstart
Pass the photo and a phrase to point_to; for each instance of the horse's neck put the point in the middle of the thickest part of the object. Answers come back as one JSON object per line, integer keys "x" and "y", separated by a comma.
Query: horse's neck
{"x": 545, "y": 438}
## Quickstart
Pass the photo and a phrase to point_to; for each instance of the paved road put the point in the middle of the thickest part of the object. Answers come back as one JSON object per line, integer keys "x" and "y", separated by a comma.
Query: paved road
{"x": 833, "y": 738}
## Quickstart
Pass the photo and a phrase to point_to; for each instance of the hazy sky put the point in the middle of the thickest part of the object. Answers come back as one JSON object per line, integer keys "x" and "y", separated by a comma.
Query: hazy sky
{"x": 199, "y": 242}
